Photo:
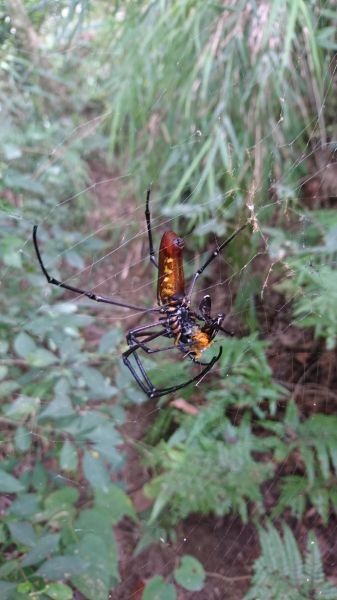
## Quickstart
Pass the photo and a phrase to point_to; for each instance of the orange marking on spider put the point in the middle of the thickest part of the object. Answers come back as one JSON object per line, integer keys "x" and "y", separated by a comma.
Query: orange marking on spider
{"x": 192, "y": 331}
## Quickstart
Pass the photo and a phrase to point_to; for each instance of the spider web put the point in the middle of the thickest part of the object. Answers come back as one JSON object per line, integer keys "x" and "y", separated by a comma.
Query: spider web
{"x": 118, "y": 265}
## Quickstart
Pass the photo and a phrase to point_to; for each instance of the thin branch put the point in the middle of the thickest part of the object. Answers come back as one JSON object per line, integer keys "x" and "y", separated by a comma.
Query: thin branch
{"x": 228, "y": 579}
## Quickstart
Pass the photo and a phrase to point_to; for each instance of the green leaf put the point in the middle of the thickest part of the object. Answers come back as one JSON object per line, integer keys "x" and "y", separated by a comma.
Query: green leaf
{"x": 9, "y": 484}
{"x": 61, "y": 500}
{"x": 59, "y": 506}
{"x": 43, "y": 548}
{"x": 23, "y": 532}
{"x": 109, "y": 341}
{"x": 95, "y": 471}
{"x": 11, "y": 151}
{"x": 190, "y": 574}
{"x": 11, "y": 251}
{"x": 25, "y": 506}
{"x": 39, "y": 476}
{"x": 105, "y": 438}
{"x": 95, "y": 381}
{"x": 100, "y": 522}
{"x": 65, "y": 308}
{"x": 22, "y": 407}
{"x": 23, "y": 182}
{"x": 42, "y": 358}
{"x": 93, "y": 378}
{"x": 95, "y": 582}
{"x": 23, "y": 439}
{"x": 68, "y": 457}
{"x": 25, "y": 587}
{"x": 24, "y": 344}
{"x": 157, "y": 589}
{"x": 61, "y": 567}
{"x": 3, "y": 371}
{"x": 2, "y": 533}
{"x": 6, "y": 589}
{"x": 117, "y": 502}
{"x": 9, "y": 567}
{"x": 58, "y": 591}
{"x": 59, "y": 407}
{"x": 8, "y": 387}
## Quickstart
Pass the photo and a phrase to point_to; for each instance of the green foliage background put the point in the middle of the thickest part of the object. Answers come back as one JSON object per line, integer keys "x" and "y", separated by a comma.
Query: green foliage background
{"x": 224, "y": 109}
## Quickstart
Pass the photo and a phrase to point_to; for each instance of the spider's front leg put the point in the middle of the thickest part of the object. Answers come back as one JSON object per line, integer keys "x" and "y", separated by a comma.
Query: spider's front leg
{"x": 134, "y": 335}
{"x": 135, "y": 344}
{"x": 213, "y": 325}
{"x": 145, "y": 382}
{"x": 149, "y": 230}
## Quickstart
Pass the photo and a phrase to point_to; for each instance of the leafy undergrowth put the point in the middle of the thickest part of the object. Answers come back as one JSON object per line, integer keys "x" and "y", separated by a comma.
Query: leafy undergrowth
{"x": 65, "y": 411}
{"x": 102, "y": 492}
{"x": 281, "y": 573}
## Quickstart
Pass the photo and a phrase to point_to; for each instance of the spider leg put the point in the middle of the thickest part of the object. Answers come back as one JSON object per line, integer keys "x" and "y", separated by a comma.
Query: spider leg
{"x": 133, "y": 350}
{"x": 205, "y": 316}
{"x": 143, "y": 372}
{"x": 146, "y": 390}
{"x": 134, "y": 335}
{"x": 195, "y": 361}
{"x": 175, "y": 388}
{"x": 88, "y": 294}
{"x": 148, "y": 351}
{"x": 140, "y": 331}
{"x": 223, "y": 330}
{"x": 147, "y": 386}
{"x": 212, "y": 257}
{"x": 149, "y": 230}
{"x": 155, "y": 350}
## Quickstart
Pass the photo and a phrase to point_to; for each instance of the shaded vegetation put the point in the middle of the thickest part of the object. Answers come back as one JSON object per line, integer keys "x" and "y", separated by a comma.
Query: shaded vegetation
{"x": 228, "y": 111}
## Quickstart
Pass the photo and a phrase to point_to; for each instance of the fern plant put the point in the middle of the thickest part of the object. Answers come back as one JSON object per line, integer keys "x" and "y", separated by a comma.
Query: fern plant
{"x": 204, "y": 473}
{"x": 317, "y": 304}
{"x": 246, "y": 377}
{"x": 298, "y": 494}
{"x": 282, "y": 573}
{"x": 312, "y": 283}
{"x": 314, "y": 442}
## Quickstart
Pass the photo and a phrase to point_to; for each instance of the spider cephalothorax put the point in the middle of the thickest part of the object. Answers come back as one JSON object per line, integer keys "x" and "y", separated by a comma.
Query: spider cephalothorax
{"x": 192, "y": 332}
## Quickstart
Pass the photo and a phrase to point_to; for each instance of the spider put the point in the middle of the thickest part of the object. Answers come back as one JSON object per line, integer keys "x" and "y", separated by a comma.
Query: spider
{"x": 192, "y": 331}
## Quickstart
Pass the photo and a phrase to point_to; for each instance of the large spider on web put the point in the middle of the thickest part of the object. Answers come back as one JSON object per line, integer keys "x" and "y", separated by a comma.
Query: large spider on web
{"x": 192, "y": 331}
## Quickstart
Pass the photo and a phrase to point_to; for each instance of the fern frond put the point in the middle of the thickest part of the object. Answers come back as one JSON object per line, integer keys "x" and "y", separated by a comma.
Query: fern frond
{"x": 313, "y": 567}
{"x": 206, "y": 474}
{"x": 315, "y": 442}
{"x": 297, "y": 493}
{"x": 281, "y": 573}
{"x": 294, "y": 562}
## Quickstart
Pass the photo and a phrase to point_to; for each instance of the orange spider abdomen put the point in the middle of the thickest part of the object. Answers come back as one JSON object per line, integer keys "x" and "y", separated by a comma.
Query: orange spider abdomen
{"x": 200, "y": 341}
{"x": 171, "y": 281}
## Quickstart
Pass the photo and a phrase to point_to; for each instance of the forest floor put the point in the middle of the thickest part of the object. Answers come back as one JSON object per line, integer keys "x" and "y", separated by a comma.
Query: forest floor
{"x": 225, "y": 546}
